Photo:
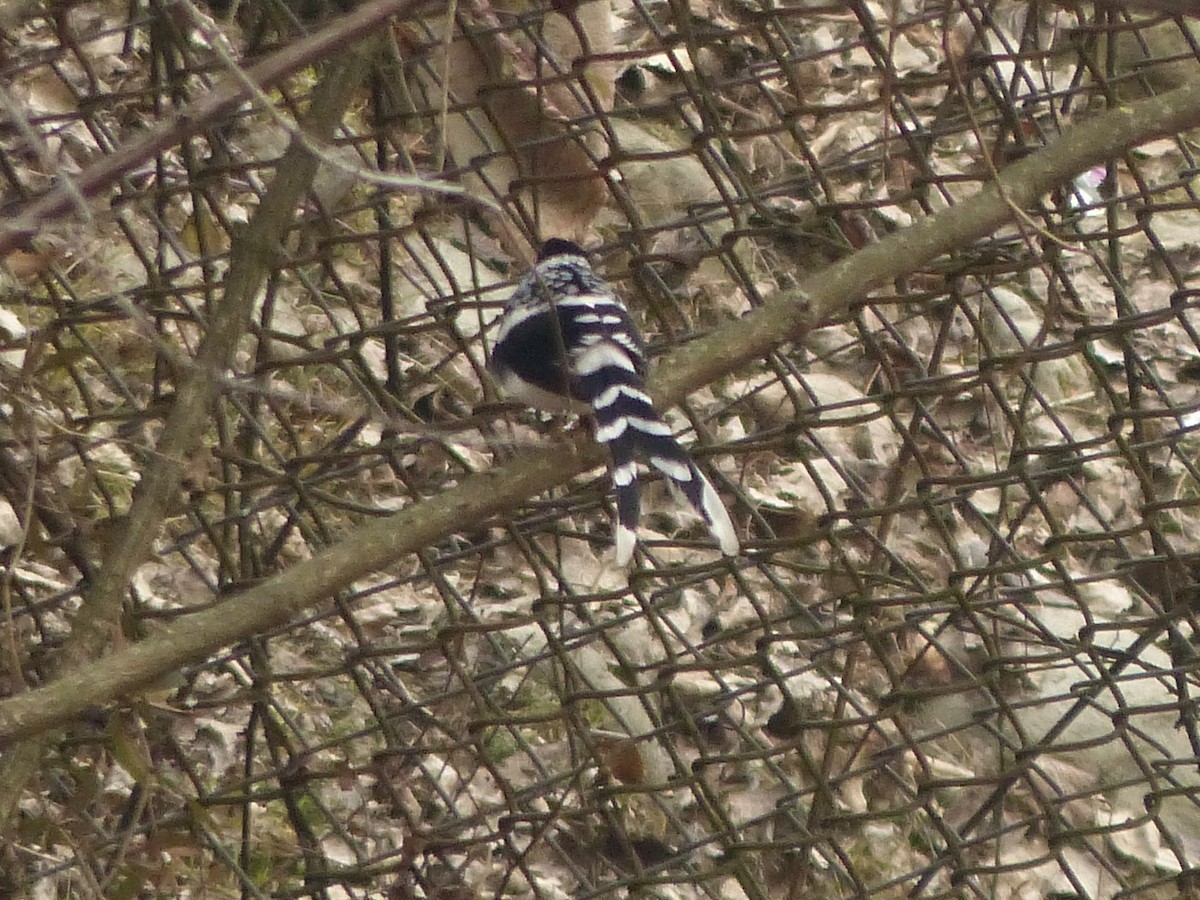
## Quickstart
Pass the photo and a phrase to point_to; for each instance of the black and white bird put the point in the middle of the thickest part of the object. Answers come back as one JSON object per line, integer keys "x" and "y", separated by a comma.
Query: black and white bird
{"x": 567, "y": 342}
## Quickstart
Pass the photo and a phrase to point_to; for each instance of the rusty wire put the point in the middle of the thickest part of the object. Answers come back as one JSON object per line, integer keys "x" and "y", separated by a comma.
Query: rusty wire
{"x": 844, "y": 710}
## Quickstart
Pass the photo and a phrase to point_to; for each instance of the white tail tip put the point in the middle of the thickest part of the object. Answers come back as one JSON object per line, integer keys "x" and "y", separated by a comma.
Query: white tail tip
{"x": 626, "y": 542}
{"x": 719, "y": 523}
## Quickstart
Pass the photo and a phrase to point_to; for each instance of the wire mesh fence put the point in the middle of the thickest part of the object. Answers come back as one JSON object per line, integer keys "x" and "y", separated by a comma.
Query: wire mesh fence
{"x": 956, "y": 655}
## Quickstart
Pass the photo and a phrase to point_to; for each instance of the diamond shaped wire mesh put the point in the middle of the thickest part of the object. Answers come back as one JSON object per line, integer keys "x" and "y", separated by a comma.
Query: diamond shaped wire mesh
{"x": 956, "y": 656}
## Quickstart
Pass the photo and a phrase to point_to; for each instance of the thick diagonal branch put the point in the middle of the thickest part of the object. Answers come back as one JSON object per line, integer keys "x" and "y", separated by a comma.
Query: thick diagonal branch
{"x": 784, "y": 318}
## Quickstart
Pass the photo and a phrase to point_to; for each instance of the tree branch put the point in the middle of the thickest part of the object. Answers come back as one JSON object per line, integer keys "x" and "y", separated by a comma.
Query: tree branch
{"x": 343, "y": 32}
{"x": 785, "y": 317}
{"x": 255, "y": 252}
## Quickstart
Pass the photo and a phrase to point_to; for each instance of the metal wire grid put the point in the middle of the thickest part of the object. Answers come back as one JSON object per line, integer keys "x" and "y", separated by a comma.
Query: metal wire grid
{"x": 843, "y": 710}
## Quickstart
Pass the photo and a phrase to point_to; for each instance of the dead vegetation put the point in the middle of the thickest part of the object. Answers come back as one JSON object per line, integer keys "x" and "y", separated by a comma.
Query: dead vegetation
{"x": 292, "y": 606}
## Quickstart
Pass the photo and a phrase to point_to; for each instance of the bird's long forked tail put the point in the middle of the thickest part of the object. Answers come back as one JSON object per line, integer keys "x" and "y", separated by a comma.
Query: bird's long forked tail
{"x": 627, "y": 423}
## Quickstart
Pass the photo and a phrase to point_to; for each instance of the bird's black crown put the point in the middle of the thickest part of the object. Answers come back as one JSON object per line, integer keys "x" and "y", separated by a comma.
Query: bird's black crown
{"x": 558, "y": 247}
